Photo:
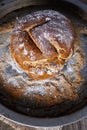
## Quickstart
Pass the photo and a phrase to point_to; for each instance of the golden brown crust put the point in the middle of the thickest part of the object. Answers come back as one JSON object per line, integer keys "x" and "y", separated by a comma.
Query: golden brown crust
{"x": 42, "y": 42}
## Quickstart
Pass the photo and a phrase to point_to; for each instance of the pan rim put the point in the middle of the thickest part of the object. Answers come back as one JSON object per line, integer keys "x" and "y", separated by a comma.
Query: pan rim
{"x": 42, "y": 122}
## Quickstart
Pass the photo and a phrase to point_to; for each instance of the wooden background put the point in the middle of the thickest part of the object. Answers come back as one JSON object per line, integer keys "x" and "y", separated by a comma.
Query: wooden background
{"x": 7, "y": 125}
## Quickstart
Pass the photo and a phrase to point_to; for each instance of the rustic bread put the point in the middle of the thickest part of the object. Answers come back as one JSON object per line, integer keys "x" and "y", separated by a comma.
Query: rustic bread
{"x": 42, "y": 42}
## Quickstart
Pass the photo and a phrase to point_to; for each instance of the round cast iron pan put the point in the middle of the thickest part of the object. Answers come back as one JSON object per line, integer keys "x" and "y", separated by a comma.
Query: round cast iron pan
{"x": 66, "y": 119}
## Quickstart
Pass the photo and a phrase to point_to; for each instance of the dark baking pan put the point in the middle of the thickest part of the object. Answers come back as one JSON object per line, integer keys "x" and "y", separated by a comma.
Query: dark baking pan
{"x": 74, "y": 110}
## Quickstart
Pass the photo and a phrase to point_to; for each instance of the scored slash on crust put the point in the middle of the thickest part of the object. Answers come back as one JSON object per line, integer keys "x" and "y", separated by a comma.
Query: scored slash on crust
{"x": 39, "y": 43}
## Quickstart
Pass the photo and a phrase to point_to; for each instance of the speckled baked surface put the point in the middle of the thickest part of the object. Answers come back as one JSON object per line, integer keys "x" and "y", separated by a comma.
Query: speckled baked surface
{"x": 51, "y": 97}
{"x": 42, "y": 42}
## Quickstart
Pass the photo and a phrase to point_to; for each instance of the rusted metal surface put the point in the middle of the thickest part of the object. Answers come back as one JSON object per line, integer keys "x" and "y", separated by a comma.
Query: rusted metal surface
{"x": 7, "y": 6}
{"x": 81, "y": 7}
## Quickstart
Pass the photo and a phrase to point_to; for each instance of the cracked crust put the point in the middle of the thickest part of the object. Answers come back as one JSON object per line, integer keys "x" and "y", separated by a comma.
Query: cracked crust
{"x": 42, "y": 42}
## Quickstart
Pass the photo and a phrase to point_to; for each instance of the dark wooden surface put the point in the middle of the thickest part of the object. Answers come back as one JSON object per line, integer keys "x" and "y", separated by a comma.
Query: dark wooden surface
{"x": 7, "y": 125}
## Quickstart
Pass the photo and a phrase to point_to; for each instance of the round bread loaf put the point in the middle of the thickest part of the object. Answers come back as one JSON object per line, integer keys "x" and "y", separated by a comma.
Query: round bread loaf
{"x": 42, "y": 42}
